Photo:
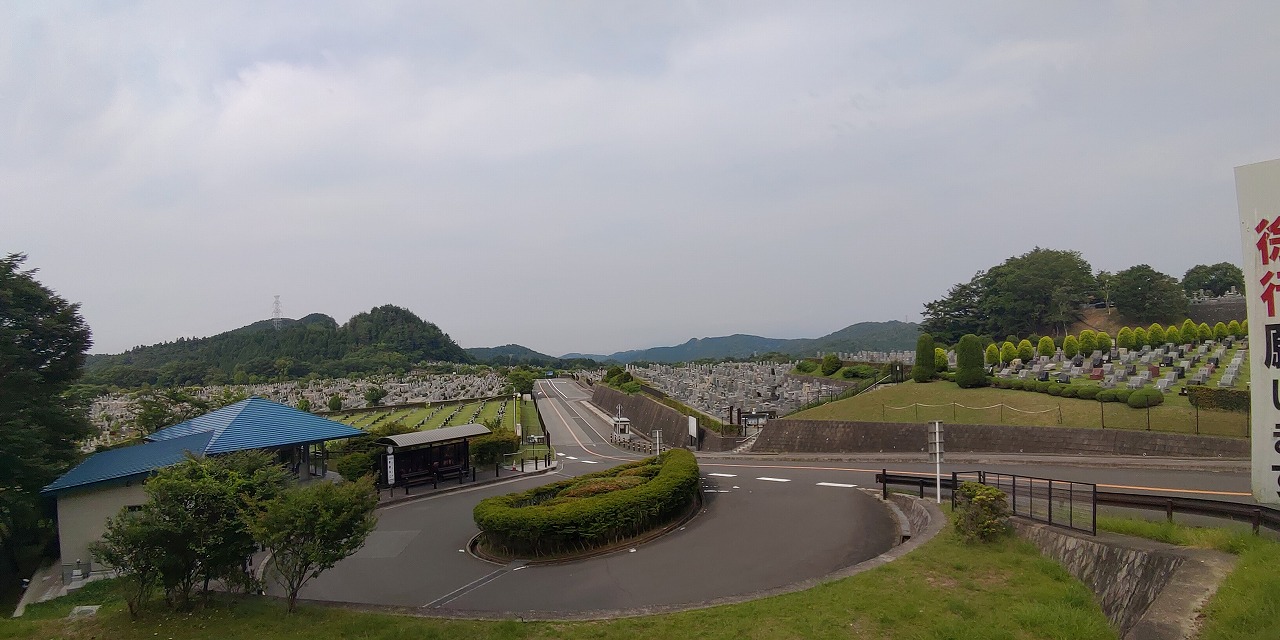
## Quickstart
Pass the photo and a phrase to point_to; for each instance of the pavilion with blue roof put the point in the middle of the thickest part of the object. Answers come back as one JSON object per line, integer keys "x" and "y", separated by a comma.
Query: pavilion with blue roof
{"x": 106, "y": 482}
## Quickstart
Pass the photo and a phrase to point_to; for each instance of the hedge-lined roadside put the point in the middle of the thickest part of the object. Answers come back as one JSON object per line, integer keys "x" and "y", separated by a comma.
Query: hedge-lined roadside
{"x": 545, "y": 521}
{"x": 1215, "y": 398}
{"x": 1135, "y": 398}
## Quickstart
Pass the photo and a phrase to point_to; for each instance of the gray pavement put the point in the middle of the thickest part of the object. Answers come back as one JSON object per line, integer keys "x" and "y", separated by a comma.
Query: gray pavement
{"x": 767, "y": 522}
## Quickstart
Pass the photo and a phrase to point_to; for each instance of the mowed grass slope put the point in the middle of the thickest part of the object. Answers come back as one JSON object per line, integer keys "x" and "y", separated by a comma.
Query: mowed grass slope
{"x": 944, "y": 590}
{"x": 981, "y": 406}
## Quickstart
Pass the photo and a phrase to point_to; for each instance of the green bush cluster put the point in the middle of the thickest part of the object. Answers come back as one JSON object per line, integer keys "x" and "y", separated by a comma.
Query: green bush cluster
{"x": 982, "y": 512}
{"x": 806, "y": 366}
{"x": 597, "y": 486}
{"x": 538, "y": 522}
{"x": 969, "y": 360}
{"x": 1214, "y": 398}
{"x": 925, "y": 367}
{"x": 1148, "y": 397}
{"x": 490, "y": 448}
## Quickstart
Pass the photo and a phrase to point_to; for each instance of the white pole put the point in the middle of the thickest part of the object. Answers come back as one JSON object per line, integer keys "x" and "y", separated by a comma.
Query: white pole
{"x": 937, "y": 461}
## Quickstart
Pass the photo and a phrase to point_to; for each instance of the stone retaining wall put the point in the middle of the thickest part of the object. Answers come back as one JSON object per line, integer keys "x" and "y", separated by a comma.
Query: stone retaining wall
{"x": 646, "y": 415}
{"x": 825, "y": 436}
{"x": 1147, "y": 590}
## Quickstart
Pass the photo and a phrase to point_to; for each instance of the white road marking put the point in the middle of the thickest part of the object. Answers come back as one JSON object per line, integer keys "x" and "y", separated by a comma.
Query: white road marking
{"x": 774, "y": 479}
{"x": 590, "y": 461}
{"x": 571, "y": 457}
{"x": 559, "y": 454}
{"x": 836, "y": 484}
{"x": 723, "y": 475}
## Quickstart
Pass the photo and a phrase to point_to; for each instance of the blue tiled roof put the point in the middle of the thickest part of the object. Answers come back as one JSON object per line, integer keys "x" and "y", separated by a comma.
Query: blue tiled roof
{"x": 129, "y": 461}
{"x": 249, "y": 424}
{"x": 257, "y": 424}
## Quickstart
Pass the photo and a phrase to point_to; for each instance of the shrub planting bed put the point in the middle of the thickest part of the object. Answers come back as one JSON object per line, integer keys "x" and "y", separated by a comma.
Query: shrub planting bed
{"x": 591, "y": 511}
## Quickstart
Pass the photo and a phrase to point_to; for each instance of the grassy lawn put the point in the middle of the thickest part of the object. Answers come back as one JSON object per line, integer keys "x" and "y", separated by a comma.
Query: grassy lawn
{"x": 897, "y": 404}
{"x": 944, "y": 590}
{"x": 1247, "y": 605}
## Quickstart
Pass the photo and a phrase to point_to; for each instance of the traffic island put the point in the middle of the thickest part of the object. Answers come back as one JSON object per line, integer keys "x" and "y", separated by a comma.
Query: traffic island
{"x": 591, "y": 514}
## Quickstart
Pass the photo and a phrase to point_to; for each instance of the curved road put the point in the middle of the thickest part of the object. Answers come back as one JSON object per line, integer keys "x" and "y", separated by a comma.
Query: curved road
{"x": 757, "y": 531}
{"x": 765, "y": 524}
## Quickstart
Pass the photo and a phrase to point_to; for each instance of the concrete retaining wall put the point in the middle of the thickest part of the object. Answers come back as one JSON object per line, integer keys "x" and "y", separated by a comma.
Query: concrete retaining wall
{"x": 824, "y": 436}
{"x": 1147, "y": 590}
{"x": 646, "y": 415}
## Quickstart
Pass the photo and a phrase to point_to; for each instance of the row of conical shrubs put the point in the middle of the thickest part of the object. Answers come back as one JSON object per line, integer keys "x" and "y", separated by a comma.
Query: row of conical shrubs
{"x": 1127, "y": 338}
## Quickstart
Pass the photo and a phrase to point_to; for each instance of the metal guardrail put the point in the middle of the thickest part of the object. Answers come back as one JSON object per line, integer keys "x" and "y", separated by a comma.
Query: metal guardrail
{"x": 1073, "y": 505}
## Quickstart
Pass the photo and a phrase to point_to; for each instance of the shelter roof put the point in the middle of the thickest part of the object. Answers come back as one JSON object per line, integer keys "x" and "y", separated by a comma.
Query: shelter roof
{"x": 432, "y": 436}
{"x": 129, "y": 461}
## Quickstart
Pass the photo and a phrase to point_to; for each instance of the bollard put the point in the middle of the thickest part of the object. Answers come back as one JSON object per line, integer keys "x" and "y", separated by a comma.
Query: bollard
{"x": 884, "y": 483}
{"x": 922, "y": 487}
{"x": 1168, "y": 509}
{"x": 1257, "y": 520}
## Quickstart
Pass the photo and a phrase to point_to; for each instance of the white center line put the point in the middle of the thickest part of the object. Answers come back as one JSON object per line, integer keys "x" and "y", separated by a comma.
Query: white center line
{"x": 774, "y": 479}
{"x": 836, "y": 484}
{"x": 571, "y": 457}
{"x": 590, "y": 461}
{"x": 723, "y": 475}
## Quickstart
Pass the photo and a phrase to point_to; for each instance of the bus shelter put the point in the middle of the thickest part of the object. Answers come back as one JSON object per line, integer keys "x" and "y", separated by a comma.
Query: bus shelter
{"x": 427, "y": 456}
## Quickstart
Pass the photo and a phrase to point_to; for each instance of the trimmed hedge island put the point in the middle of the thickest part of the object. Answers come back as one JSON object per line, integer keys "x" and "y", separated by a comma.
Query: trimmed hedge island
{"x": 590, "y": 511}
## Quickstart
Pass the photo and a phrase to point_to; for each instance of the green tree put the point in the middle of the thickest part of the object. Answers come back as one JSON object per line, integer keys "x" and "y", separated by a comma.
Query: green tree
{"x": 1088, "y": 341}
{"x": 155, "y": 409}
{"x": 939, "y": 359}
{"x": 1216, "y": 279}
{"x": 521, "y": 380}
{"x": 1139, "y": 338}
{"x": 1190, "y": 332}
{"x": 1155, "y": 334}
{"x": 830, "y": 364}
{"x": 1220, "y": 331}
{"x": 132, "y": 546}
{"x": 1124, "y": 339}
{"x": 992, "y": 354}
{"x": 1008, "y": 352}
{"x": 969, "y": 361}
{"x": 1070, "y": 346}
{"x": 310, "y": 528}
{"x": 1204, "y": 331}
{"x": 43, "y": 341}
{"x": 1046, "y": 346}
{"x": 1102, "y": 341}
{"x": 1172, "y": 334}
{"x": 1144, "y": 294}
{"x": 1025, "y": 351}
{"x": 373, "y": 396}
{"x": 1233, "y": 328}
{"x": 335, "y": 402}
{"x": 304, "y": 404}
{"x": 924, "y": 368}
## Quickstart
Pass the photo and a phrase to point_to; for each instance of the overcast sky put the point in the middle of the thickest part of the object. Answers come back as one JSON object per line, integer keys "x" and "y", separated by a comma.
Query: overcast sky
{"x": 598, "y": 176}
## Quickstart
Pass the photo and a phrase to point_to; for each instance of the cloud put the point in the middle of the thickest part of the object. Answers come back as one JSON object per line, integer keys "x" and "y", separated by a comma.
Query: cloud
{"x": 599, "y": 177}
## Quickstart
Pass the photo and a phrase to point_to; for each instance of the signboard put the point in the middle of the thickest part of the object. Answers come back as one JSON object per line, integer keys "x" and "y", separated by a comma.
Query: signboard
{"x": 935, "y": 454}
{"x": 693, "y": 427}
{"x": 1258, "y": 196}
{"x": 391, "y": 467}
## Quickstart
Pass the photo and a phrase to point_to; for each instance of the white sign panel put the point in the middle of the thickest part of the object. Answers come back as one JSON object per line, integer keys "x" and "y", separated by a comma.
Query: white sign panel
{"x": 1258, "y": 195}
{"x": 391, "y": 469}
{"x": 693, "y": 427}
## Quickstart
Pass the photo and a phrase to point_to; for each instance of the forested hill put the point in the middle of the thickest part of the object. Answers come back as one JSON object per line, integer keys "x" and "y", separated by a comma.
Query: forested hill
{"x": 514, "y": 354}
{"x": 863, "y": 336}
{"x": 385, "y": 338}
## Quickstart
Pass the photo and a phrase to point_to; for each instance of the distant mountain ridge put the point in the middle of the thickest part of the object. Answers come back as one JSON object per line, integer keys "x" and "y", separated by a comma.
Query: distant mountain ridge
{"x": 863, "y": 336}
{"x": 386, "y": 338}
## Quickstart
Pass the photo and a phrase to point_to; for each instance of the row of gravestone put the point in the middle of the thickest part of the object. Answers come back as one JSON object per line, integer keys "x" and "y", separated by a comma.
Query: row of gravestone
{"x": 1110, "y": 376}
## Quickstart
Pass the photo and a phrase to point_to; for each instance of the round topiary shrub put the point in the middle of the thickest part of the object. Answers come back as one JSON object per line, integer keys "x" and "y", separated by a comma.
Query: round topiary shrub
{"x": 1106, "y": 395}
{"x": 1043, "y": 387}
{"x": 1143, "y": 398}
{"x": 1055, "y": 389}
{"x": 982, "y": 512}
{"x": 1015, "y": 384}
{"x": 580, "y": 514}
{"x": 1088, "y": 392}
{"x": 1070, "y": 391}
{"x": 1122, "y": 395}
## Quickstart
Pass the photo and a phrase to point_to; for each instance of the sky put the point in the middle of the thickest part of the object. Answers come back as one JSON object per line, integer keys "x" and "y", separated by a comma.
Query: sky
{"x": 599, "y": 176}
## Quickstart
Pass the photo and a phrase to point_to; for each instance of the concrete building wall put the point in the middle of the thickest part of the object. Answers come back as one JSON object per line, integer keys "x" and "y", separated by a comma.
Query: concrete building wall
{"x": 82, "y": 519}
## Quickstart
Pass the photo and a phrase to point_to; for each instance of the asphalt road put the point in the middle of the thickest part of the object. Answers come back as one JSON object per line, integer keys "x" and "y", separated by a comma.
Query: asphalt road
{"x": 766, "y": 523}
{"x": 757, "y": 531}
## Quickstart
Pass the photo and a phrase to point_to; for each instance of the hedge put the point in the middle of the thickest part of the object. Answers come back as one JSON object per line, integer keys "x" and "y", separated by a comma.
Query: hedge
{"x": 489, "y": 448}
{"x": 1214, "y": 398}
{"x": 541, "y": 521}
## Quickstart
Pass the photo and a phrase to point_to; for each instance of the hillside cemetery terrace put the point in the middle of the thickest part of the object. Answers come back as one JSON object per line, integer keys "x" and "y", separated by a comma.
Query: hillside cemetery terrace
{"x": 1168, "y": 368}
{"x": 113, "y": 414}
{"x": 435, "y": 415}
{"x": 761, "y": 386}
